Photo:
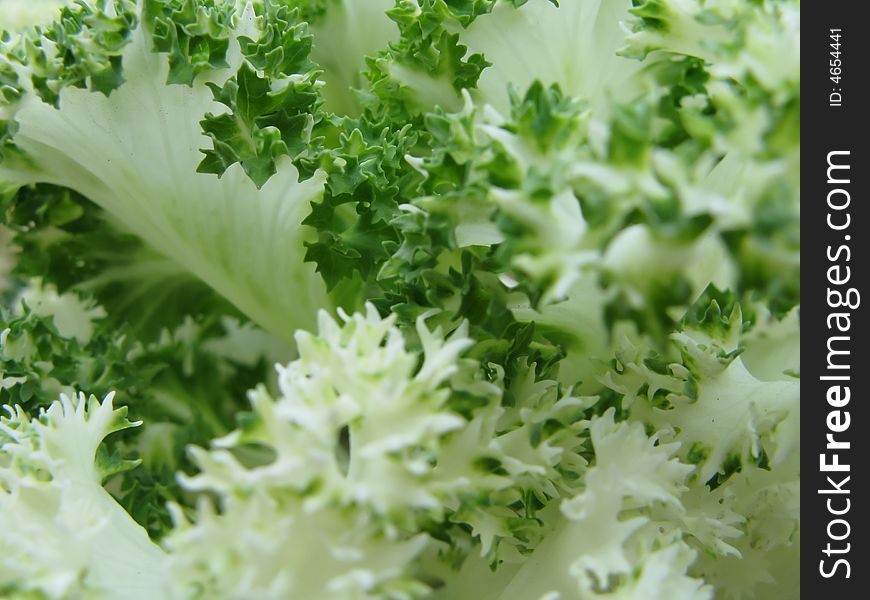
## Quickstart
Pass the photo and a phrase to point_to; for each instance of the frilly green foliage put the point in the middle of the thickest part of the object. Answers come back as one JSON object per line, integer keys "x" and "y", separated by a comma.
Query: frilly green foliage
{"x": 529, "y": 272}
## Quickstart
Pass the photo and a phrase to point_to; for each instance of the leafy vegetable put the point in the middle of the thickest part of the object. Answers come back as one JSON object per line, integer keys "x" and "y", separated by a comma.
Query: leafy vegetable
{"x": 511, "y": 287}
